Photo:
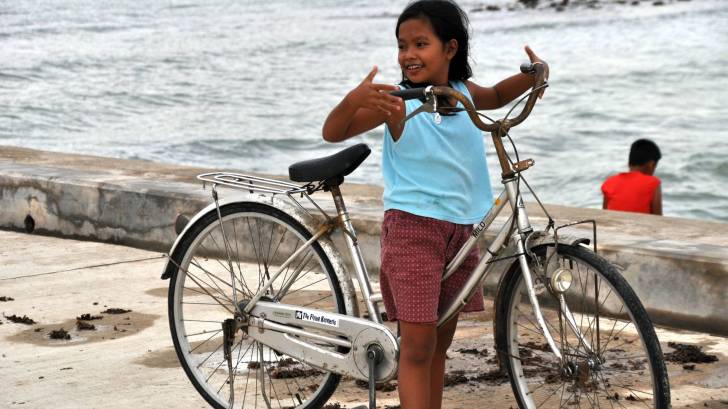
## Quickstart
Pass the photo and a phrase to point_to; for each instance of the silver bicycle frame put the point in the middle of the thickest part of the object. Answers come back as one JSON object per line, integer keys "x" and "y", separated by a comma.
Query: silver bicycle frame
{"x": 515, "y": 231}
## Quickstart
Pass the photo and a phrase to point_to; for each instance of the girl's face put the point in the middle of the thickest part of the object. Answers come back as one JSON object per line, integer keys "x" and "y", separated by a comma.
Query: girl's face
{"x": 423, "y": 57}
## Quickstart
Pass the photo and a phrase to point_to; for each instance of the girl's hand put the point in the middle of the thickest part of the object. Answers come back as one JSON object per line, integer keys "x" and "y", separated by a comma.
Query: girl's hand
{"x": 375, "y": 96}
{"x": 534, "y": 59}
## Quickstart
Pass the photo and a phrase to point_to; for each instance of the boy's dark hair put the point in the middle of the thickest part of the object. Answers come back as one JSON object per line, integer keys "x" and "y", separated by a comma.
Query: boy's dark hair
{"x": 643, "y": 151}
{"x": 449, "y": 22}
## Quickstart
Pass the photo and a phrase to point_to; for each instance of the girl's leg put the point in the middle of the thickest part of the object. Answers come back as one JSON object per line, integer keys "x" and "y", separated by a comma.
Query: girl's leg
{"x": 437, "y": 374}
{"x": 417, "y": 347}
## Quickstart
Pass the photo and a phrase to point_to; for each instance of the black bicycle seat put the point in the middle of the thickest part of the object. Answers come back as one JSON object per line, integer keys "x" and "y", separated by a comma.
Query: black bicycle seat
{"x": 339, "y": 164}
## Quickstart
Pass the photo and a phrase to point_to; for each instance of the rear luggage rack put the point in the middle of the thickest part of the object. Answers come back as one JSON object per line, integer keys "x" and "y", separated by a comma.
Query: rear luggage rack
{"x": 257, "y": 184}
{"x": 252, "y": 183}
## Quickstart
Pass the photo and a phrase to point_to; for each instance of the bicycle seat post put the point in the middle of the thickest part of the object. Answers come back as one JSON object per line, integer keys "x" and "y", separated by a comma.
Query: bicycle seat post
{"x": 356, "y": 256}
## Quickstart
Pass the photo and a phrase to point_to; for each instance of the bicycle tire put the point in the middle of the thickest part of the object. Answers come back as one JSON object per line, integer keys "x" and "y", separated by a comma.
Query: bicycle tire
{"x": 202, "y": 269}
{"x": 613, "y": 376}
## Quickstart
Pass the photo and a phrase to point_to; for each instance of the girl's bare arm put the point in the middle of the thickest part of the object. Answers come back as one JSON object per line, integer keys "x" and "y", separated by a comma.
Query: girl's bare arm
{"x": 365, "y": 107}
{"x": 506, "y": 90}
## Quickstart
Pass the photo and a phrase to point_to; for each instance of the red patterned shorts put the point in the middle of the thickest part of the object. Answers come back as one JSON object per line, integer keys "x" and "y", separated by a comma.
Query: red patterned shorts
{"x": 415, "y": 251}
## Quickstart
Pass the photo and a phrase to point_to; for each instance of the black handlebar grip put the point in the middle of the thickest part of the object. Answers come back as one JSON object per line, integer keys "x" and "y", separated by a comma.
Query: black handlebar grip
{"x": 410, "y": 93}
{"x": 528, "y": 68}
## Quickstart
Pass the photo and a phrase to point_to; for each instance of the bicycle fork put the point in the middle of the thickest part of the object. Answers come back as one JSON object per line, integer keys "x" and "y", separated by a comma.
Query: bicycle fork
{"x": 524, "y": 229}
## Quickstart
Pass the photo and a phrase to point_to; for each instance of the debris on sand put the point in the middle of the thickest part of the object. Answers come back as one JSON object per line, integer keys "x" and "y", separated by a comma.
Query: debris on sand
{"x": 540, "y": 347}
{"x": 89, "y": 317}
{"x": 6, "y": 299}
{"x": 20, "y": 320}
{"x": 84, "y": 326}
{"x": 59, "y": 334}
{"x": 288, "y": 373}
{"x": 286, "y": 362}
{"x": 253, "y": 365}
{"x": 473, "y": 351}
{"x": 455, "y": 378}
{"x": 685, "y": 353}
{"x": 335, "y": 405}
{"x": 383, "y": 387}
{"x": 115, "y": 311}
{"x": 494, "y": 377}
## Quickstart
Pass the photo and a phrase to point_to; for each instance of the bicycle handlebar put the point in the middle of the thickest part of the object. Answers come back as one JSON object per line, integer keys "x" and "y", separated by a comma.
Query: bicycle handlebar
{"x": 503, "y": 125}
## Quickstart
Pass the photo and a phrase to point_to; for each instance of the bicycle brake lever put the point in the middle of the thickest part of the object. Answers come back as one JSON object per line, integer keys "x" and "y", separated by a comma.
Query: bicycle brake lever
{"x": 427, "y": 106}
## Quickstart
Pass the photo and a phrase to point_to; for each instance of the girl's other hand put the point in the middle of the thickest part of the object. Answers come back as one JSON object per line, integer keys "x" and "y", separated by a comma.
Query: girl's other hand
{"x": 375, "y": 96}
{"x": 534, "y": 59}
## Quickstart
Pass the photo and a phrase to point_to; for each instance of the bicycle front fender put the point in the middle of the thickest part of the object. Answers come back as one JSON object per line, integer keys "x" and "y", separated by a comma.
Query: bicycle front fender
{"x": 302, "y": 217}
{"x": 537, "y": 239}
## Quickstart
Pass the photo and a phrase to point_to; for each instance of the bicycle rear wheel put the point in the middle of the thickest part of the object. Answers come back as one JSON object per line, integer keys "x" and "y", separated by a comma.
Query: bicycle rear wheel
{"x": 254, "y": 240}
{"x": 620, "y": 363}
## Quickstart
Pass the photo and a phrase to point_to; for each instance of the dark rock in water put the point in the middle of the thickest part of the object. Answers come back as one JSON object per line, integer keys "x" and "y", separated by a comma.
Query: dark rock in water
{"x": 636, "y": 3}
{"x": 84, "y": 326}
{"x": 658, "y": 3}
{"x": 60, "y": 334}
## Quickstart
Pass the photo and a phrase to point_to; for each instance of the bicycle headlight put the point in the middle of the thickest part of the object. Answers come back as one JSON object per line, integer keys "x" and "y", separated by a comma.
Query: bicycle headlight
{"x": 561, "y": 280}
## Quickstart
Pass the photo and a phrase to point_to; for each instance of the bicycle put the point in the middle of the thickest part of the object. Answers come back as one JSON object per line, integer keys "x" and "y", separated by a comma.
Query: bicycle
{"x": 259, "y": 297}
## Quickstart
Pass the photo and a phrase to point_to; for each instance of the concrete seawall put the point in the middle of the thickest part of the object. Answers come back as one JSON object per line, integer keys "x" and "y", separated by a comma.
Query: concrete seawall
{"x": 678, "y": 267}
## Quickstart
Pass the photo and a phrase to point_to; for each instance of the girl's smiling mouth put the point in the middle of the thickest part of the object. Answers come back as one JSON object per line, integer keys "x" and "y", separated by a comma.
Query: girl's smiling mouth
{"x": 413, "y": 68}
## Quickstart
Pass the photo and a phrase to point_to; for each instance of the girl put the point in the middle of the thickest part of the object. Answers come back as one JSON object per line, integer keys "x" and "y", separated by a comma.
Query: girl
{"x": 436, "y": 185}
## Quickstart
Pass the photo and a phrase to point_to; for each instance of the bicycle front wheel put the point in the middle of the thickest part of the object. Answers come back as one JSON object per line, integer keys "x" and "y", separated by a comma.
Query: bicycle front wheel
{"x": 610, "y": 354}
{"x": 243, "y": 252}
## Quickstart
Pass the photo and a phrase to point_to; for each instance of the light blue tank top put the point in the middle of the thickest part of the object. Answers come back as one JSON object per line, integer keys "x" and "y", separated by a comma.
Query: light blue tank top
{"x": 437, "y": 170}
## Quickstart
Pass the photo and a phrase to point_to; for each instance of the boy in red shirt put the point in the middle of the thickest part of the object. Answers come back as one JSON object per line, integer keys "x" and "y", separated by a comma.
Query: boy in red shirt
{"x": 637, "y": 190}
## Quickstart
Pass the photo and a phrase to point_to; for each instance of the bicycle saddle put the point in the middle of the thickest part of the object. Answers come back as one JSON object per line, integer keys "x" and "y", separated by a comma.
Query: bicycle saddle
{"x": 339, "y": 164}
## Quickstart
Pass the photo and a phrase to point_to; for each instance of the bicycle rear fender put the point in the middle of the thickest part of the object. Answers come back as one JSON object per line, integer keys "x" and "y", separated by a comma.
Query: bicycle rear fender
{"x": 302, "y": 217}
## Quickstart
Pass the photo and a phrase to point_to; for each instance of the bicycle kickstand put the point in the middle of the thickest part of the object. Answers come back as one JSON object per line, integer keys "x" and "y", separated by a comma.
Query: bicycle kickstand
{"x": 374, "y": 357}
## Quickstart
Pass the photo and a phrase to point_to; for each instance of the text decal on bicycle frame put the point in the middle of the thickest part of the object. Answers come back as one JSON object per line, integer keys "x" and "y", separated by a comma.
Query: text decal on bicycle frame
{"x": 317, "y": 318}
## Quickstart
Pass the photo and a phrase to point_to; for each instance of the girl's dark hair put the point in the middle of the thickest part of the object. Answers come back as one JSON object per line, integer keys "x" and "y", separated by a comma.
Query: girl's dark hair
{"x": 643, "y": 151}
{"x": 449, "y": 22}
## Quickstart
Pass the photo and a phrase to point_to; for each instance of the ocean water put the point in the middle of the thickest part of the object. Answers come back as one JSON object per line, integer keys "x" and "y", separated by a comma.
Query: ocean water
{"x": 247, "y": 85}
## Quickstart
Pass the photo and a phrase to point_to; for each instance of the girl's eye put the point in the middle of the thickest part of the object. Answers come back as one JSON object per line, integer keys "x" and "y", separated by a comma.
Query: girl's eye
{"x": 421, "y": 44}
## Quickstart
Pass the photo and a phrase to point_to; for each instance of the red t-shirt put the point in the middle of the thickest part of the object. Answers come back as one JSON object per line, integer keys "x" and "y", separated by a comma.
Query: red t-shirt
{"x": 630, "y": 192}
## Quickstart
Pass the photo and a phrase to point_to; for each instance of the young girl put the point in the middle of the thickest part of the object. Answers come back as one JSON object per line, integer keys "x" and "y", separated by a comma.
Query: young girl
{"x": 436, "y": 185}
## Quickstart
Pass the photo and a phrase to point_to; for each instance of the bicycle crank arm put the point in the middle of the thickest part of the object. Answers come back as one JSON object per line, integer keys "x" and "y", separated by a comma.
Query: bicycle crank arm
{"x": 308, "y": 335}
